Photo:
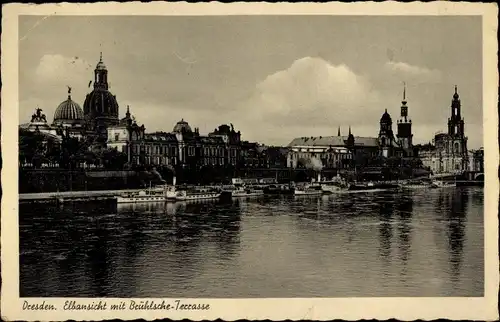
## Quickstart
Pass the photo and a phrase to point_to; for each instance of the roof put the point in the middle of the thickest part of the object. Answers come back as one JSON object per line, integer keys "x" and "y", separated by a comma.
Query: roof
{"x": 46, "y": 135}
{"x": 100, "y": 102}
{"x": 160, "y": 136}
{"x": 68, "y": 110}
{"x": 182, "y": 126}
{"x": 386, "y": 117}
{"x": 333, "y": 141}
{"x": 211, "y": 140}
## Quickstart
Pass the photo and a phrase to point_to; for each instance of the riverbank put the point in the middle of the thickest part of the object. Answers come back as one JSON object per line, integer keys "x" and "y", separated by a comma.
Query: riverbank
{"x": 41, "y": 196}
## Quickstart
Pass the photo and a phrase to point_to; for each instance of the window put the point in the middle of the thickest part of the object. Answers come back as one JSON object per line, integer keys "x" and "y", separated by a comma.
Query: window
{"x": 117, "y": 136}
{"x": 457, "y": 147}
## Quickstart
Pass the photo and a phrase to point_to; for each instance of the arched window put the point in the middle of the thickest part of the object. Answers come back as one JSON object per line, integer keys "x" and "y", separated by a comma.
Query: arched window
{"x": 383, "y": 141}
{"x": 457, "y": 147}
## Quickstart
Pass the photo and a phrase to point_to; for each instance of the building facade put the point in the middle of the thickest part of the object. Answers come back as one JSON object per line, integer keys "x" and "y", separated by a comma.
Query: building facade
{"x": 333, "y": 152}
{"x": 476, "y": 160}
{"x": 401, "y": 144}
{"x": 449, "y": 153}
{"x": 232, "y": 143}
{"x": 182, "y": 148}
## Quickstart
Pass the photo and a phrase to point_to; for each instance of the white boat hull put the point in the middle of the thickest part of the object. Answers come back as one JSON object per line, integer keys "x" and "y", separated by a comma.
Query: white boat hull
{"x": 247, "y": 194}
{"x": 188, "y": 197}
{"x": 444, "y": 185}
{"x": 331, "y": 189}
{"x": 416, "y": 186}
{"x": 140, "y": 199}
{"x": 308, "y": 193}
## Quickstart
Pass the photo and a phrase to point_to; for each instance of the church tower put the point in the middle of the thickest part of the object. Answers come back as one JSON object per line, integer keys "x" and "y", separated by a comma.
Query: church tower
{"x": 100, "y": 107}
{"x": 101, "y": 75}
{"x": 456, "y": 128}
{"x": 405, "y": 136}
{"x": 385, "y": 135}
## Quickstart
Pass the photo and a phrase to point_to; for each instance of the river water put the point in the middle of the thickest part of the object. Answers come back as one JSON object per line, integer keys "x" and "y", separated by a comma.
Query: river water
{"x": 418, "y": 243}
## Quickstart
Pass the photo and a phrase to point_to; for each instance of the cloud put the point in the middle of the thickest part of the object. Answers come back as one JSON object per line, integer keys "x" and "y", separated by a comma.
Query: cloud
{"x": 60, "y": 69}
{"x": 310, "y": 95}
{"x": 405, "y": 69}
{"x": 163, "y": 117}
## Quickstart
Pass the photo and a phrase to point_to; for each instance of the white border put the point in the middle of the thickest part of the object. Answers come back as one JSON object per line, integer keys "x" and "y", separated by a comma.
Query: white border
{"x": 274, "y": 309}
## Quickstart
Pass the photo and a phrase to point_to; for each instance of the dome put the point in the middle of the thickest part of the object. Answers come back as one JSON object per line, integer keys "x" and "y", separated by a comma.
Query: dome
{"x": 182, "y": 126}
{"x": 386, "y": 118}
{"x": 68, "y": 111}
{"x": 100, "y": 103}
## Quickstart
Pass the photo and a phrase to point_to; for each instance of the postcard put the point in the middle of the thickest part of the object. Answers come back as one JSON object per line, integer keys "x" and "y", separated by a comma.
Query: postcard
{"x": 250, "y": 161}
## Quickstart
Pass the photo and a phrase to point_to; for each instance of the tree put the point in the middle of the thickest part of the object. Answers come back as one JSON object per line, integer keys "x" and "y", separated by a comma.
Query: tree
{"x": 393, "y": 162}
{"x": 31, "y": 147}
{"x": 113, "y": 159}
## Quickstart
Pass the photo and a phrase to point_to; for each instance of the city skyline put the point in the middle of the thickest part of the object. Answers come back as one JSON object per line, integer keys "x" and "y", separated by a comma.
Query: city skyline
{"x": 270, "y": 94}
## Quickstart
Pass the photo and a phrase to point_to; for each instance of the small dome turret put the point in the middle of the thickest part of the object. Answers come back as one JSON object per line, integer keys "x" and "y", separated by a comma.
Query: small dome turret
{"x": 100, "y": 65}
{"x": 182, "y": 126}
{"x": 386, "y": 118}
{"x": 68, "y": 112}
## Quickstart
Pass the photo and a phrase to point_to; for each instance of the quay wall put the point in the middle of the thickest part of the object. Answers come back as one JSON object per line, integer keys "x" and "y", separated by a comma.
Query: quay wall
{"x": 54, "y": 180}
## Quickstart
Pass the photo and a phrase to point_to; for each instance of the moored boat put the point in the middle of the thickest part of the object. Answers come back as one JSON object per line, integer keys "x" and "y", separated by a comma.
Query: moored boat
{"x": 332, "y": 188}
{"x": 247, "y": 192}
{"x": 277, "y": 189}
{"x": 418, "y": 184}
{"x": 443, "y": 184}
{"x": 197, "y": 194}
{"x": 308, "y": 190}
{"x": 372, "y": 186}
{"x": 145, "y": 196}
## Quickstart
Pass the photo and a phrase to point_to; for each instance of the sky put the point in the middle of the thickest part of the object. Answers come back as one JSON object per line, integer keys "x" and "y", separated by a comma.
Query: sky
{"x": 273, "y": 77}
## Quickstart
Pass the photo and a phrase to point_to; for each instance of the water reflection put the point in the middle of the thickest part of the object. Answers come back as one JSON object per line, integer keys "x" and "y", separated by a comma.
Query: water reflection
{"x": 386, "y": 211}
{"x": 404, "y": 207}
{"x": 457, "y": 219}
{"x": 366, "y": 244}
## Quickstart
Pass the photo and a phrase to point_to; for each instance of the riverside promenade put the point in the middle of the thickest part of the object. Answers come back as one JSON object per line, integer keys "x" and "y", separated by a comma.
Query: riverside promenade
{"x": 101, "y": 194}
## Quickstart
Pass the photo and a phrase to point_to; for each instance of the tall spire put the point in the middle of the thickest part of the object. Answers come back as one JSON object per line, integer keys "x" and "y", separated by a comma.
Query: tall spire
{"x": 338, "y": 133}
{"x": 455, "y": 96}
{"x": 349, "y": 130}
{"x": 404, "y": 108}
{"x": 100, "y": 57}
{"x": 404, "y": 93}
